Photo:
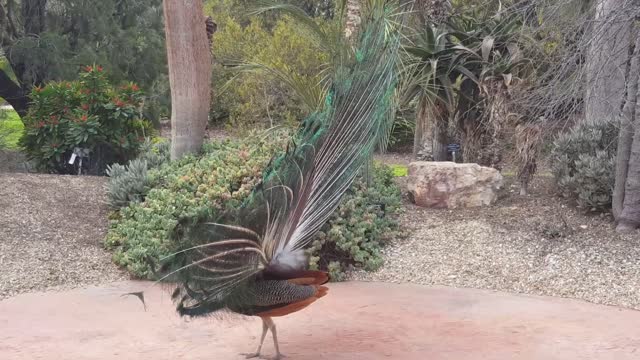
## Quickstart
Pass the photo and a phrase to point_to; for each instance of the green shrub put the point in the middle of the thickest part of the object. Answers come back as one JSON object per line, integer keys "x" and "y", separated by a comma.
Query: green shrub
{"x": 130, "y": 183}
{"x": 190, "y": 188}
{"x": 362, "y": 224}
{"x": 256, "y": 97}
{"x": 221, "y": 179}
{"x": 11, "y": 128}
{"x": 583, "y": 164}
{"x": 399, "y": 170}
{"x": 89, "y": 113}
{"x": 127, "y": 183}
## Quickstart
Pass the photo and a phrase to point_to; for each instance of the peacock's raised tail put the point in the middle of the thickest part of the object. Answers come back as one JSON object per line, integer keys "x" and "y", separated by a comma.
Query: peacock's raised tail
{"x": 253, "y": 262}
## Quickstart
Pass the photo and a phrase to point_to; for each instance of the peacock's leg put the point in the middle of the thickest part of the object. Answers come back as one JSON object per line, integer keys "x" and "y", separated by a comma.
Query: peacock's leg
{"x": 272, "y": 327}
{"x": 265, "y": 327}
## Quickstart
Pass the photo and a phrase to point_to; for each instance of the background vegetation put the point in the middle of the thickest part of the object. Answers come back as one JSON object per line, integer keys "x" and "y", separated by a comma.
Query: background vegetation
{"x": 154, "y": 199}
{"x": 509, "y": 81}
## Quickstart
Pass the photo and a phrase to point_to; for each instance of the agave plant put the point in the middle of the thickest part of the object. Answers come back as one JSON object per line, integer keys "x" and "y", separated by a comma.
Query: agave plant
{"x": 489, "y": 57}
{"x": 428, "y": 82}
{"x": 461, "y": 69}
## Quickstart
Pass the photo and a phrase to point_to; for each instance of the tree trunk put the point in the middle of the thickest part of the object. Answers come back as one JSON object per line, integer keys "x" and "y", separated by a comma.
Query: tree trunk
{"x": 440, "y": 133}
{"x": 607, "y": 60}
{"x": 421, "y": 140}
{"x": 353, "y": 19}
{"x": 13, "y": 94}
{"x": 431, "y": 132}
{"x": 189, "y": 63}
{"x": 432, "y": 11}
{"x": 528, "y": 141}
{"x": 33, "y": 13}
{"x": 629, "y": 218}
{"x": 625, "y": 136}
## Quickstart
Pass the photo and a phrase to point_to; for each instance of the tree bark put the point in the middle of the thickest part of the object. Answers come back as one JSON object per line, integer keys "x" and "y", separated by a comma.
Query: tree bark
{"x": 353, "y": 19}
{"x": 431, "y": 132}
{"x": 432, "y": 11}
{"x": 33, "y": 13}
{"x": 629, "y": 218}
{"x": 13, "y": 94}
{"x": 625, "y": 136}
{"x": 189, "y": 61}
{"x": 607, "y": 59}
{"x": 423, "y": 129}
{"x": 440, "y": 133}
{"x": 468, "y": 117}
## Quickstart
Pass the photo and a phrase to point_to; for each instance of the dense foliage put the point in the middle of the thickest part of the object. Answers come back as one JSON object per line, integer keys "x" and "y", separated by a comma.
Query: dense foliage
{"x": 87, "y": 114}
{"x": 362, "y": 224}
{"x": 583, "y": 163}
{"x": 173, "y": 194}
{"x": 129, "y": 183}
{"x": 48, "y": 41}
{"x": 10, "y": 129}
{"x": 255, "y": 94}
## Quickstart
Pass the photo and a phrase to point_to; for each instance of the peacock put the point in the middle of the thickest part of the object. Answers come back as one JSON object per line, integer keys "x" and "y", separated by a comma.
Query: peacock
{"x": 252, "y": 261}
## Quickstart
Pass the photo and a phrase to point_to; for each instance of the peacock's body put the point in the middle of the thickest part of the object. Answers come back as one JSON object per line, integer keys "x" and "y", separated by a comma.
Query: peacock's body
{"x": 253, "y": 262}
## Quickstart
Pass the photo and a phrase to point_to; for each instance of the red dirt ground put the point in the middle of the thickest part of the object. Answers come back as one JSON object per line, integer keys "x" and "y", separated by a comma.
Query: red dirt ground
{"x": 366, "y": 321}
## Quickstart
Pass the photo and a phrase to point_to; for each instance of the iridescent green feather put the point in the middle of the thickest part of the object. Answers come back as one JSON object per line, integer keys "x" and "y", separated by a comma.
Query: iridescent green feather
{"x": 223, "y": 261}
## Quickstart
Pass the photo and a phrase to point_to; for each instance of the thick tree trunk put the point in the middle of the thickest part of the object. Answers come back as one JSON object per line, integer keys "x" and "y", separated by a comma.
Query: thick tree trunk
{"x": 431, "y": 132}
{"x": 607, "y": 59}
{"x": 625, "y": 136}
{"x": 189, "y": 62}
{"x": 629, "y": 218}
{"x": 468, "y": 117}
{"x": 353, "y": 19}
{"x": 13, "y": 94}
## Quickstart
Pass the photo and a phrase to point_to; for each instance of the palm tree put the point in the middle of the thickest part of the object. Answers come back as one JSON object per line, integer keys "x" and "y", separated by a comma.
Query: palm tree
{"x": 189, "y": 68}
{"x": 428, "y": 83}
{"x": 489, "y": 55}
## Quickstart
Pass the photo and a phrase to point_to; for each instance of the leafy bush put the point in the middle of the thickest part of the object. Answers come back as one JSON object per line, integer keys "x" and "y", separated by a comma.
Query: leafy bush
{"x": 253, "y": 98}
{"x": 221, "y": 179}
{"x": 583, "y": 164}
{"x": 362, "y": 224}
{"x": 11, "y": 128}
{"x": 191, "y": 188}
{"x": 127, "y": 183}
{"x": 130, "y": 183}
{"x": 89, "y": 113}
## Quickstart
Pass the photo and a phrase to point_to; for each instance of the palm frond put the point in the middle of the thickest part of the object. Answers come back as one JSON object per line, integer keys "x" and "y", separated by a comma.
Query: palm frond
{"x": 310, "y": 90}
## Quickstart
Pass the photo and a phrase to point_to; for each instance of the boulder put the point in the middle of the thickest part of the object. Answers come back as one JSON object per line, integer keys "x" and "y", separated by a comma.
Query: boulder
{"x": 452, "y": 185}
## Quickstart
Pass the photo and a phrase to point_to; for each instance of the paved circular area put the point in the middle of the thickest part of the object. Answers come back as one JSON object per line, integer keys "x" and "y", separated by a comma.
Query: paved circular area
{"x": 355, "y": 321}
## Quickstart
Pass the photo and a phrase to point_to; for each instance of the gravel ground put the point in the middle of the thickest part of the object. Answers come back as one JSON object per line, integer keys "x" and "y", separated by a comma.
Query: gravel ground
{"x": 53, "y": 227}
{"x": 536, "y": 244}
{"x": 52, "y": 231}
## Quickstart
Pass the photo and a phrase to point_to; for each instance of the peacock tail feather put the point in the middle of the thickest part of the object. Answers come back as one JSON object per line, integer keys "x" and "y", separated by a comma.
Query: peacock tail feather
{"x": 226, "y": 264}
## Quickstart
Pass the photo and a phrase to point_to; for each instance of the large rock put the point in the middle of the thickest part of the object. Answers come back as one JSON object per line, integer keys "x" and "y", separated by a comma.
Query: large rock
{"x": 452, "y": 185}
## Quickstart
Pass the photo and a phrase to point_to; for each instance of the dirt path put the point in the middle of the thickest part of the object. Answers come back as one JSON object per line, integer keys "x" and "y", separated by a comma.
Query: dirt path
{"x": 355, "y": 321}
{"x": 52, "y": 232}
